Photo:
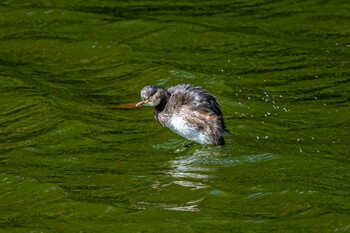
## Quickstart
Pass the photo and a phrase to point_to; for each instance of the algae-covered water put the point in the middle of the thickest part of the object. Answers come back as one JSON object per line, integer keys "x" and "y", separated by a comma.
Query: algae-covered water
{"x": 70, "y": 161}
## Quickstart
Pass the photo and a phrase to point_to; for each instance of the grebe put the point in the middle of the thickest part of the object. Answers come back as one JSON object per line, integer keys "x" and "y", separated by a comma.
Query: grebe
{"x": 188, "y": 111}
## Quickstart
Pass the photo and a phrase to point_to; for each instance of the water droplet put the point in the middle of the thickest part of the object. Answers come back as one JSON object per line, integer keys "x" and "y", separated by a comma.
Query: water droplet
{"x": 48, "y": 12}
{"x": 216, "y": 192}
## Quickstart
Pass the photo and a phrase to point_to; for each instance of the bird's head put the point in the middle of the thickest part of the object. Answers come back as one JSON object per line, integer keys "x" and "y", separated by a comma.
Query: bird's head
{"x": 153, "y": 96}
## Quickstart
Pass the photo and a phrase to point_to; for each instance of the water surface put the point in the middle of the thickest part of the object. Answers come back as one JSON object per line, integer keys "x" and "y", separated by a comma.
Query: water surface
{"x": 70, "y": 161}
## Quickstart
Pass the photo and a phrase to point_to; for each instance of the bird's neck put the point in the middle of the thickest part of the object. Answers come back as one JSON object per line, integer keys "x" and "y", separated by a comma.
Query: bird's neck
{"x": 160, "y": 107}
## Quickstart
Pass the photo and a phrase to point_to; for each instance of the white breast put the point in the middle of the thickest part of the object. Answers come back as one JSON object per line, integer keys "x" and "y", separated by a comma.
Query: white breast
{"x": 181, "y": 127}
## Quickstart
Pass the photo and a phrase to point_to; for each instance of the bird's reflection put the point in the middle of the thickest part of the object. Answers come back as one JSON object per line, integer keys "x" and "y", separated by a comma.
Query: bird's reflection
{"x": 184, "y": 179}
{"x": 191, "y": 176}
{"x": 190, "y": 170}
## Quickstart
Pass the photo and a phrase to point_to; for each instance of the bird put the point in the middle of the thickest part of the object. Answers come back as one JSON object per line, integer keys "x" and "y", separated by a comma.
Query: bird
{"x": 187, "y": 110}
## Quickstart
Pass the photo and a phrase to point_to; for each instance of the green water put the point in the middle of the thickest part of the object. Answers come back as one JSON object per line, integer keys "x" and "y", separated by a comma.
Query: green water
{"x": 70, "y": 162}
